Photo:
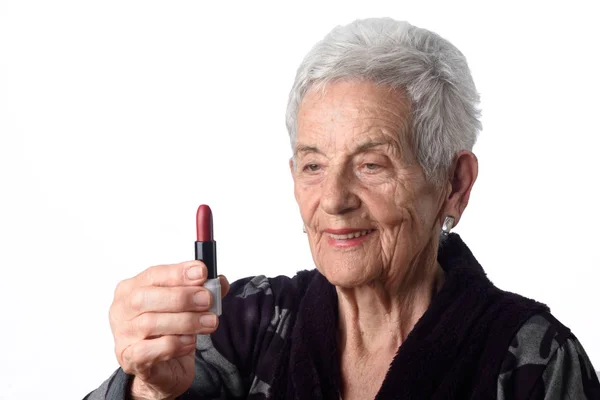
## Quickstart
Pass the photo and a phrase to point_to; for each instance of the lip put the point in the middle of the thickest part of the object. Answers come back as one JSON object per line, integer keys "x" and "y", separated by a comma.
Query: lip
{"x": 345, "y": 231}
{"x": 347, "y": 243}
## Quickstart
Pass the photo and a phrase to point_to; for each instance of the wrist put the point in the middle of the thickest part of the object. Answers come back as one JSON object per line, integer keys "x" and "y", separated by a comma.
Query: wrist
{"x": 140, "y": 390}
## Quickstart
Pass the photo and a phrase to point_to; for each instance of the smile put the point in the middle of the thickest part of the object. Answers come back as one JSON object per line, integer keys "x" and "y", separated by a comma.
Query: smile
{"x": 351, "y": 235}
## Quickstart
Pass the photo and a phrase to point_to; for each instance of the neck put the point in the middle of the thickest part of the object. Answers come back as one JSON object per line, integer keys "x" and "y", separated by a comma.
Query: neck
{"x": 377, "y": 317}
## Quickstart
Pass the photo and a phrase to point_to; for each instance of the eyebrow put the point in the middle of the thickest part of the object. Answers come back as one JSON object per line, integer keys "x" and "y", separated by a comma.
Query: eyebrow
{"x": 368, "y": 146}
{"x": 307, "y": 149}
{"x": 361, "y": 148}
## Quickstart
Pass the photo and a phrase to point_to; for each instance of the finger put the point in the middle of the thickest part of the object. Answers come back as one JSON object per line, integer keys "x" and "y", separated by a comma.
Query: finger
{"x": 168, "y": 299}
{"x": 185, "y": 323}
{"x": 183, "y": 274}
{"x": 224, "y": 285}
{"x": 142, "y": 355}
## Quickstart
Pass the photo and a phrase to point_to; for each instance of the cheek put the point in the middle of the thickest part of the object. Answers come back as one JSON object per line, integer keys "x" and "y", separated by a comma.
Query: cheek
{"x": 424, "y": 213}
{"x": 391, "y": 207}
{"x": 404, "y": 212}
{"x": 427, "y": 205}
{"x": 307, "y": 199}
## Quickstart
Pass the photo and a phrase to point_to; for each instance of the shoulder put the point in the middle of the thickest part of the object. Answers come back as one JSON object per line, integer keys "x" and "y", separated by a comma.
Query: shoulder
{"x": 545, "y": 359}
{"x": 256, "y": 287}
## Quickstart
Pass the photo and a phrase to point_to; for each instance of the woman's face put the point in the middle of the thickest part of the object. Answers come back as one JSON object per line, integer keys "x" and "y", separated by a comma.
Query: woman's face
{"x": 356, "y": 174}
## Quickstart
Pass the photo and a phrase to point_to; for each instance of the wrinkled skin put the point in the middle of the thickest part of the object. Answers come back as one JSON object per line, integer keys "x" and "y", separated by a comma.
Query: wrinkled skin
{"x": 353, "y": 167}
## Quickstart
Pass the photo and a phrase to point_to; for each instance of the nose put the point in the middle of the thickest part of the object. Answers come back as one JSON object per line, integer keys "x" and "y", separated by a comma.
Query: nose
{"x": 338, "y": 196}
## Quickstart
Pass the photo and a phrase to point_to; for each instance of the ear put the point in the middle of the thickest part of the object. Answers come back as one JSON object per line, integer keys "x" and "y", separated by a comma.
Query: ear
{"x": 459, "y": 185}
{"x": 292, "y": 169}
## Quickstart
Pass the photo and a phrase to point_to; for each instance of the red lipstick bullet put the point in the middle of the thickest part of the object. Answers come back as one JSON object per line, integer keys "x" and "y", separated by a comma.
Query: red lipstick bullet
{"x": 204, "y": 224}
{"x": 206, "y": 251}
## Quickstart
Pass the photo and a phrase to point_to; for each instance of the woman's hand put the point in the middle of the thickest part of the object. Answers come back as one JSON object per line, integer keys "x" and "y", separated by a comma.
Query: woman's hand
{"x": 155, "y": 318}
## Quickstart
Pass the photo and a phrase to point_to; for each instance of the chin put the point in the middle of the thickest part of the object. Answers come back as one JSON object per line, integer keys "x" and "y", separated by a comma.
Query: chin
{"x": 345, "y": 276}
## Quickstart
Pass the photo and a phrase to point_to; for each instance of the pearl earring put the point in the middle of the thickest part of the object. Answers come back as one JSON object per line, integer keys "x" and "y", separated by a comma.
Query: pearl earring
{"x": 448, "y": 225}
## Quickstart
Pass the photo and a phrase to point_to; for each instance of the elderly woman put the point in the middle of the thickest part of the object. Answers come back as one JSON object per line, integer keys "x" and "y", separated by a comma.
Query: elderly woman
{"x": 382, "y": 118}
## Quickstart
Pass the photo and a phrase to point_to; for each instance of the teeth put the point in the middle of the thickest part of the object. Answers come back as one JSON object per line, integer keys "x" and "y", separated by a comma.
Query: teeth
{"x": 350, "y": 235}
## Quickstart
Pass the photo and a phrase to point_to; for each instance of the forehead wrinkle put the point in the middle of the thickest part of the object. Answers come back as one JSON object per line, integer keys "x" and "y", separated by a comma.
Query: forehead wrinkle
{"x": 324, "y": 124}
{"x": 360, "y": 138}
{"x": 394, "y": 113}
{"x": 399, "y": 131}
{"x": 347, "y": 106}
{"x": 389, "y": 146}
{"x": 379, "y": 141}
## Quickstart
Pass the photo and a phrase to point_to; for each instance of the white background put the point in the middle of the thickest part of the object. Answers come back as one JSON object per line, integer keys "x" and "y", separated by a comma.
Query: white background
{"x": 118, "y": 118}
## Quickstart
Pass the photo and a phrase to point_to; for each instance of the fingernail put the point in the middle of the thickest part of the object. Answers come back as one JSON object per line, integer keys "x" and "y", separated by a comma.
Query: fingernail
{"x": 195, "y": 273}
{"x": 187, "y": 339}
{"x": 202, "y": 298}
{"x": 208, "y": 320}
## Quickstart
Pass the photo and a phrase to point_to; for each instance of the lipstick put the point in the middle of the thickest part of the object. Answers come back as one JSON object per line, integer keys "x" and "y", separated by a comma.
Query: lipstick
{"x": 206, "y": 251}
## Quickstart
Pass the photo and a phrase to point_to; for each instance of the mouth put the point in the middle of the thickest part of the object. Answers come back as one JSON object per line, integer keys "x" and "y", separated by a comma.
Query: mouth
{"x": 351, "y": 235}
{"x": 348, "y": 239}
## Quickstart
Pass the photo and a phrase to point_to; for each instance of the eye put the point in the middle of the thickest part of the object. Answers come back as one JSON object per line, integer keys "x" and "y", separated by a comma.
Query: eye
{"x": 311, "y": 167}
{"x": 372, "y": 166}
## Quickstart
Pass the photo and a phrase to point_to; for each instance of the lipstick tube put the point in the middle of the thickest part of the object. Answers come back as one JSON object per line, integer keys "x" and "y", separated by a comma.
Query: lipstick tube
{"x": 206, "y": 251}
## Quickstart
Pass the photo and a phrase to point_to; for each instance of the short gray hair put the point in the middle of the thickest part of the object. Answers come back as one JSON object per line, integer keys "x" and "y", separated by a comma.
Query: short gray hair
{"x": 431, "y": 71}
